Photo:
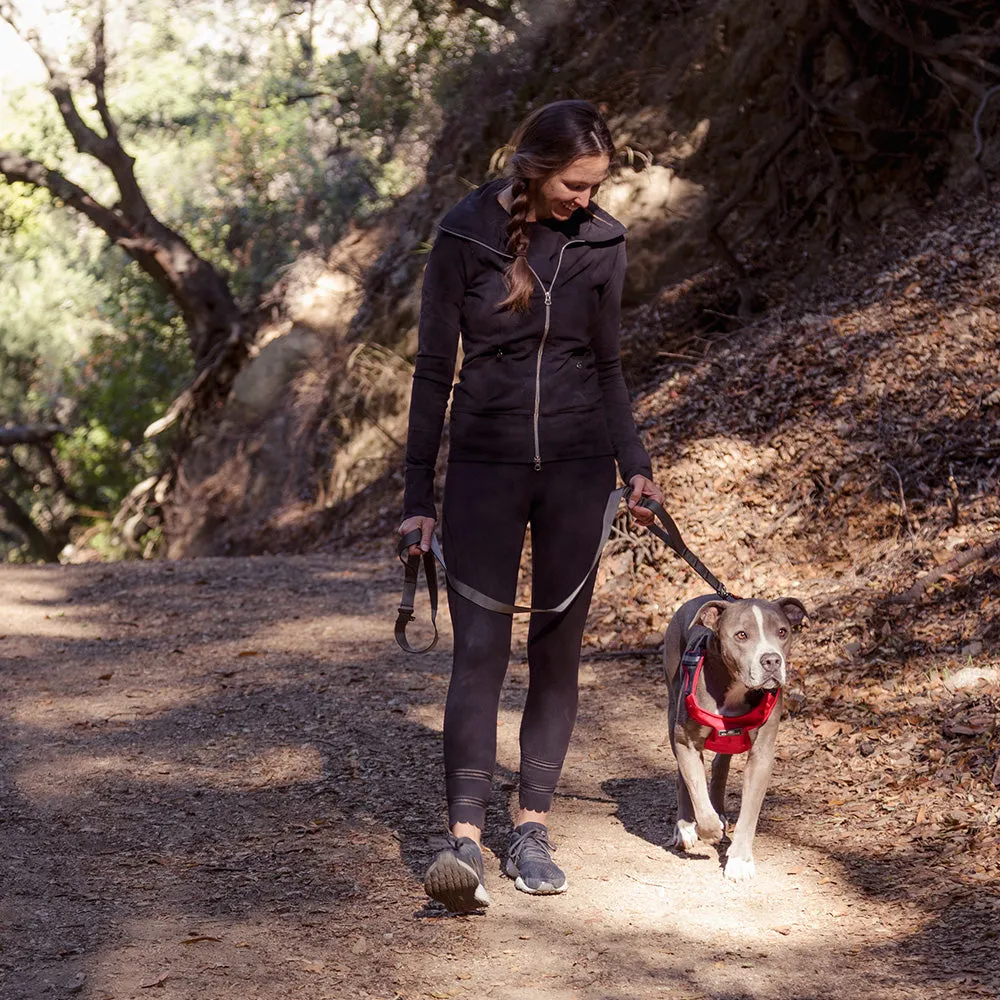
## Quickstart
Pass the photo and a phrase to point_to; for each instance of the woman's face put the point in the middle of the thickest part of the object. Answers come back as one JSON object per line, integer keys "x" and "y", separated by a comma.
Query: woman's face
{"x": 561, "y": 194}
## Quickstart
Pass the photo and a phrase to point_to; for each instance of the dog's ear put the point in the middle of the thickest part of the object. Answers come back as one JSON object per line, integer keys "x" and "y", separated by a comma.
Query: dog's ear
{"x": 709, "y": 614}
{"x": 794, "y": 610}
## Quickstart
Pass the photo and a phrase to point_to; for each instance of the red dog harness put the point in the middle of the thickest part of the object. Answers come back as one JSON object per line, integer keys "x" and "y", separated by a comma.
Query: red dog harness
{"x": 730, "y": 733}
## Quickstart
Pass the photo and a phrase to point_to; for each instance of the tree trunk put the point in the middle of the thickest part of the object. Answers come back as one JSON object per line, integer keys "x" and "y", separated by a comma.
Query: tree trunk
{"x": 40, "y": 545}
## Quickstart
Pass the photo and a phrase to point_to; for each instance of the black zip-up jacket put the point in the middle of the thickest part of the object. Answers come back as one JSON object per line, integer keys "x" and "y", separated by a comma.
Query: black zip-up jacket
{"x": 535, "y": 387}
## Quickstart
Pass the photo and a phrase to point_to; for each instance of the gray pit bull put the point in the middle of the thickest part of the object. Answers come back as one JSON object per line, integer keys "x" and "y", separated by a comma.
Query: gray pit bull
{"x": 746, "y": 644}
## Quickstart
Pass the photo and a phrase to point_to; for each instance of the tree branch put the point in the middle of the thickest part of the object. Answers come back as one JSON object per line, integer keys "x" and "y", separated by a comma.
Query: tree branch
{"x": 963, "y": 559}
{"x": 11, "y": 434}
{"x": 107, "y": 149}
{"x": 96, "y": 78}
{"x": 378, "y": 26}
{"x": 15, "y": 167}
{"x": 961, "y": 46}
{"x": 503, "y": 17}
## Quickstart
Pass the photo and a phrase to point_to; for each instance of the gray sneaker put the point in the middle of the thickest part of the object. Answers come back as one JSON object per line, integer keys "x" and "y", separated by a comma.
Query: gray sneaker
{"x": 529, "y": 861}
{"x": 455, "y": 877}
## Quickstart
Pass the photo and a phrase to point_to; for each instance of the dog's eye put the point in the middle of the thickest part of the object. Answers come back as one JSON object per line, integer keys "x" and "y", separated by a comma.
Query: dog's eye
{"x": 742, "y": 636}
{"x": 782, "y": 632}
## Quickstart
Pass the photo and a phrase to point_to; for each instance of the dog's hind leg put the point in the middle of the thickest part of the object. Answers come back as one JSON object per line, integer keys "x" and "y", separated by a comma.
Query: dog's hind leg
{"x": 717, "y": 786}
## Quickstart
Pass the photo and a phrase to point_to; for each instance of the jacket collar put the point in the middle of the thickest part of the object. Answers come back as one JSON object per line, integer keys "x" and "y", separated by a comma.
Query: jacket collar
{"x": 481, "y": 218}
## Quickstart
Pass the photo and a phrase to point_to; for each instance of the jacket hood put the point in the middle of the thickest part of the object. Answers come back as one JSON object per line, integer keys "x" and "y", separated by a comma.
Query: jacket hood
{"x": 480, "y": 217}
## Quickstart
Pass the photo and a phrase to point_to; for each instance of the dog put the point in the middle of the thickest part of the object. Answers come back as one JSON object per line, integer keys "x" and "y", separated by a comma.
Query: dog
{"x": 727, "y": 660}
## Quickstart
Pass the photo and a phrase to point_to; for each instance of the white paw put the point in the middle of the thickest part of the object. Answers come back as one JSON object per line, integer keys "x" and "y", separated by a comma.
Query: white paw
{"x": 685, "y": 835}
{"x": 740, "y": 869}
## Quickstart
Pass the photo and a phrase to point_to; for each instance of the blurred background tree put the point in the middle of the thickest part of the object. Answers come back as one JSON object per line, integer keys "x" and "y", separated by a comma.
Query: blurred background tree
{"x": 217, "y": 139}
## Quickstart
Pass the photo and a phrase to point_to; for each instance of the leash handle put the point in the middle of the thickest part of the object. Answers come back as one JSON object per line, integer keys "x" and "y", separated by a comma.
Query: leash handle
{"x": 670, "y": 534}
{"x": 411, "y": 576}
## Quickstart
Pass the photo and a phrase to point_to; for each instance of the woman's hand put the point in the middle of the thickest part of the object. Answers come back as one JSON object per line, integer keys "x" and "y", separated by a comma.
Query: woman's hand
{"x": 426, "y": 526}
{"x": 642, "y": 487}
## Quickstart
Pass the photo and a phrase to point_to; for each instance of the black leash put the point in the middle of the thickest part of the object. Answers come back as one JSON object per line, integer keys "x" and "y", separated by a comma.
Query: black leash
{"x": 668, "y": 533}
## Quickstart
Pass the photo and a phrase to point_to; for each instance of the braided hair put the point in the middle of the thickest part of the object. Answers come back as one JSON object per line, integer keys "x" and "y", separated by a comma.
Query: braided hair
{"x": 547, "y": 141}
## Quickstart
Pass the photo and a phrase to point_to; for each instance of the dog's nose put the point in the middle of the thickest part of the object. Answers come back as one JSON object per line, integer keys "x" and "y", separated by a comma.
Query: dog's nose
{"x": 771, "y": 661}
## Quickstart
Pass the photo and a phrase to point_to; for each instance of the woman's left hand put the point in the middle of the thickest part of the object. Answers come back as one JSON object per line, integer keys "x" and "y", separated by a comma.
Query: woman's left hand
{"x": 642, "y": 487}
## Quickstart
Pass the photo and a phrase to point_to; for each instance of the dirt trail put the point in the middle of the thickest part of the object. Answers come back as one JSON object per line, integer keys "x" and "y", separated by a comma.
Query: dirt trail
{"x": 221, "y": 779}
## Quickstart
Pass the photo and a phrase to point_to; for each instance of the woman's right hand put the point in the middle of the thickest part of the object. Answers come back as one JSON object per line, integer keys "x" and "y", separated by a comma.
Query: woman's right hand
{"x": 426, "y": 527}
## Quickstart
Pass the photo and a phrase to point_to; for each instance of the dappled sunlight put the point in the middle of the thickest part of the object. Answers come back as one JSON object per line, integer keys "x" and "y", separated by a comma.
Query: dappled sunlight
{"x": 278, "y": 809}
{"x": 68, "y": 775}
{"x": 334, "y": 631}
{"x": 54, "y": 712}
{"x": 33, "y": 603}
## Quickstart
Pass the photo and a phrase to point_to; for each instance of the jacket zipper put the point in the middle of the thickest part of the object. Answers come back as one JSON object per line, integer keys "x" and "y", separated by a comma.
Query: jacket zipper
{"x": 547, "y": 293}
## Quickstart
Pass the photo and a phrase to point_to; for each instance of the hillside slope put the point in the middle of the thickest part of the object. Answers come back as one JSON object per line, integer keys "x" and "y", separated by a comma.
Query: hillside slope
{"x": 775, "y": 139}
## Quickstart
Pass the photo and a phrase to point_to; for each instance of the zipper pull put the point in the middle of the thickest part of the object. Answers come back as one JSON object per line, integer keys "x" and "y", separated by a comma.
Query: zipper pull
{"x": 548, "y": 298}
{"x": 538, "y": 463}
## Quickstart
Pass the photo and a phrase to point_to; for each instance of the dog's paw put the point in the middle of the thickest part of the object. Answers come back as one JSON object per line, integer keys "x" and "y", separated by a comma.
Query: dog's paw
{"x": 711, "y": 832}
{"x": 685, "y": 835}
{"x": 740, "y": 869}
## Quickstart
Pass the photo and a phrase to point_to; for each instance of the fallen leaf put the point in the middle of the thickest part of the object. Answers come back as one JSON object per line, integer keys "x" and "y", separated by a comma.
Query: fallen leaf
{"x": 248, "y": 652}
{"x": 827, "y": 727}
{"x": 200, "y": 937}
{"x": 784, "y": 929}
{"x": 961, "y": 729}
{"x": 157, "y": 982}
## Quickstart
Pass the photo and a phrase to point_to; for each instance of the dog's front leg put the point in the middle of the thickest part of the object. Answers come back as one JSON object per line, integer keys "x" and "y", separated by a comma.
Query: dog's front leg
{"x": 691, "y": 765}
{"x": 740, "y": 865}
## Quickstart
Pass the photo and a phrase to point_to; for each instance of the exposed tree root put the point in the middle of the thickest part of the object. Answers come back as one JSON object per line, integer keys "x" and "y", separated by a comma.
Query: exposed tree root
{"x": 917, "y": 591}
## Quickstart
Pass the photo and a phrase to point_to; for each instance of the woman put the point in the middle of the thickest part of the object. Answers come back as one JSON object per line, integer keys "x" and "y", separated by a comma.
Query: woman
{"x": 530, "y": 273}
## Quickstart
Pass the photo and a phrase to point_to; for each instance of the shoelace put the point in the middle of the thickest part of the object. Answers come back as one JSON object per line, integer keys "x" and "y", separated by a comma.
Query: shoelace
{"x": 443, "y": 841}
{"x": 532, "y": 844}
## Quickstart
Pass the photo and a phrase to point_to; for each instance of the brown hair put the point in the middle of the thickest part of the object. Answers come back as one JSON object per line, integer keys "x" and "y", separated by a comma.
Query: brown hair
{"x": 547, "y": 141}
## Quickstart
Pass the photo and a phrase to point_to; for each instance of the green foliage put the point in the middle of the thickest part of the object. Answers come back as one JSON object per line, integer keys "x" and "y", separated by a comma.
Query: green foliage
{"x": 49, "y": 300}
{"x": 126, "y": 380}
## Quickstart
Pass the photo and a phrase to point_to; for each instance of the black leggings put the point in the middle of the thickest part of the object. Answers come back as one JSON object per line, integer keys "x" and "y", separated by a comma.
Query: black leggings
{"x": 486, "y": 510}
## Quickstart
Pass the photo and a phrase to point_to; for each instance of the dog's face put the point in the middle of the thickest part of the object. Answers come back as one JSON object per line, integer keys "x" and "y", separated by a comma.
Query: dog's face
{"x": 754, "y": 637}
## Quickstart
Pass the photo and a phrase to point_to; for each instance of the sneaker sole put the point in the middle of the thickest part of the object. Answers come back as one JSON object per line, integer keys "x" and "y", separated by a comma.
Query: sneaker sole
{"x": 545, "y": 889}
{"x": 456, "y": 885}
